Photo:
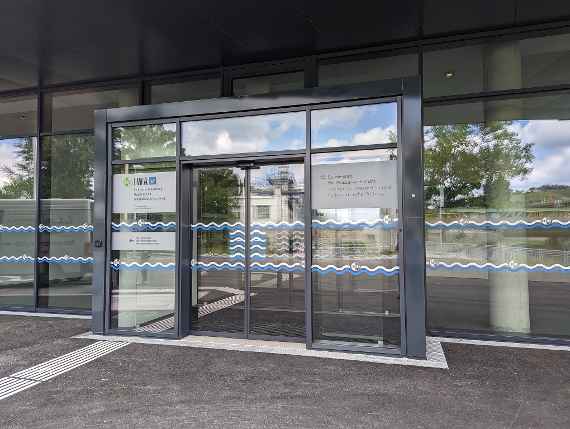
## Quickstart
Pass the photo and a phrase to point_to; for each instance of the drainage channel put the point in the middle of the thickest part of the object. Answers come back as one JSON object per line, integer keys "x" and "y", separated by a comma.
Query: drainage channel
{"x": 45, "y": 371}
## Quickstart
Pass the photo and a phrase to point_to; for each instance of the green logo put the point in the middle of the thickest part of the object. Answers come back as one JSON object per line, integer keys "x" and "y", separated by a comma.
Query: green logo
{"x": 126, "y": 181}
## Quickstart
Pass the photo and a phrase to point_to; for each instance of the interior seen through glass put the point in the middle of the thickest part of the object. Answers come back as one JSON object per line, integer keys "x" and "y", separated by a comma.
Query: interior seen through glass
{"x": 248, "y": 224}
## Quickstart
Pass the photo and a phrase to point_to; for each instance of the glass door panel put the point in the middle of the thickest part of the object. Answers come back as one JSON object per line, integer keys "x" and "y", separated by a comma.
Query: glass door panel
{"x": 355, "y": 234}
{"x": 277, "y": 258}
{"x": 218, "y": 249}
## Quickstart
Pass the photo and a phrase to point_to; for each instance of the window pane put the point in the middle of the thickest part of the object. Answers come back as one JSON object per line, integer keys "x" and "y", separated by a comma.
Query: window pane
{"x": 498, "y": 66}
{"x": 73, "y": 110}
{"x": 143, "y": 247}
{"x": 355, "y": 125}
{"x": 344, "y": 73}
{"x": 269, "y": 83}
{"x": 18, "y": 116}
{"x": 183, "y": 91}
{"x": 146, "y": 141}
{"x": 355, "y": 248}
{"x": 280, "y": 131}
{"x": 17, "y": 221}
{"x": 66, "y": 221}
{"x": 497, "y": 212}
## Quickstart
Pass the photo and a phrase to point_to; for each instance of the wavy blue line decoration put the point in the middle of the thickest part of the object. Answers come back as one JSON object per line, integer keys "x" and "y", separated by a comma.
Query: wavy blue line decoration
{"x": 29, "y": 228}
{"x": 144, "y": 226}
{"x": 65, "y": 260}
{"x": 146, "y": 266}
{"x": 386, "y": 223}
{"x": 72, "y": 228}
{"x": 507, "y": 267}
{"x": 22, "y": 259}
{"x": 356, "y": 269}
{"x": 503, "y": 224}
{"x": 282, "y": 267}
{"x": 214, "y": 266}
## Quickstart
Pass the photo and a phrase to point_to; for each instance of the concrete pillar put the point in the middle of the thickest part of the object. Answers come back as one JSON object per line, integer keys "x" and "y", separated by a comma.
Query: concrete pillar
{"x": 508, "y": 292}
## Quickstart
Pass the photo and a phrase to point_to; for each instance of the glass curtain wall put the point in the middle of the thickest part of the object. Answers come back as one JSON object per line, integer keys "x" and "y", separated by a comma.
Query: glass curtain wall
{"x": 355, "y": 215}
{"x": 143, "y": 257}
{"x": 498, "y": 215}
{"x": 18, "y": 117}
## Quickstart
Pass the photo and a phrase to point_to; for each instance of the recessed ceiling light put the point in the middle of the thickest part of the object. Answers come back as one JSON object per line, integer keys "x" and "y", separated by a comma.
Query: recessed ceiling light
{"x": 449, "y": 74}
{"x": 22, "y": 117}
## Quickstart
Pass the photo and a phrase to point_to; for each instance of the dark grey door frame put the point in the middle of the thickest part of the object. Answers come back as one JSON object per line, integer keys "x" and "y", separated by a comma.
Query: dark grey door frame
{"x": 412, "y": 253}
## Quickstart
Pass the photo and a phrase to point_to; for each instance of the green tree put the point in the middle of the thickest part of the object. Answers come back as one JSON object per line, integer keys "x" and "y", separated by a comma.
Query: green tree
{"x": 473, "y": 164}
{"x": 67, "y": 166}
{"x": 144, "y": 142}
{"x": 20, "y": 175}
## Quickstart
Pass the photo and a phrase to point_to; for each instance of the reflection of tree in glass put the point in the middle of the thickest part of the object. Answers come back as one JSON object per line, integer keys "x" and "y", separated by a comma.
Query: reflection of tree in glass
{"x": 20, "y": 175}
{"x": 220, "y": 191}
{"x": 471, "y": 165}
{"x": 144, "y": 142}
{"x": 67, "y": 167}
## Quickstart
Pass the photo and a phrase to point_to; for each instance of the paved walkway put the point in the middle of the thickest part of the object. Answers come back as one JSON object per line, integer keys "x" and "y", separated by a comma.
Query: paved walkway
{"x": 144, "y": 385}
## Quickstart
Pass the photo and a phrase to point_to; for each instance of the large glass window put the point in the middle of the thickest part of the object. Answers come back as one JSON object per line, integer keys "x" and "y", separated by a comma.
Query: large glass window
{"x": 184, "y": 91}
{"x": 146, "y": 141}
{"x": 269, "y": 83}
{"x": 354, "y": 125}
{"x": 349, "y": 72}
{"x": 73, "y": 110}
{"x": 66, "y": 221}
{"x": 497, "y": 65}
{"x": 143, "y": 247}
{"x": 498, "y": 216}
{"x": 275, "y": 132}
{"x": 18, "y": 116}
{"x": 17, "y": 221}
{"x": 355, "y": 267}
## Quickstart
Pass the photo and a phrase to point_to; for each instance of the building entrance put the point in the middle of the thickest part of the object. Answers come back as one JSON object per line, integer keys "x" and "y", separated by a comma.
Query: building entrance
{"x": 248, "y": 250}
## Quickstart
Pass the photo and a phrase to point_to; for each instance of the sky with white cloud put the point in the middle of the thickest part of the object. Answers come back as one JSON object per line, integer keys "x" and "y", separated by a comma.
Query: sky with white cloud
{"x": 8, "y": 157}
{"x": 550, "y": 141}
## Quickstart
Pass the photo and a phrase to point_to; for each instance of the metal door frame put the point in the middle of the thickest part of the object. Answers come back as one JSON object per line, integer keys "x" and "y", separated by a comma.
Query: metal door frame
{"x": 410, "y": 150}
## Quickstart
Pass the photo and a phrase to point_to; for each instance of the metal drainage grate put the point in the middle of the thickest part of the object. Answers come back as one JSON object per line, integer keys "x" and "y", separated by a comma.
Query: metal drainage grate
{"x": 35, "y": 375}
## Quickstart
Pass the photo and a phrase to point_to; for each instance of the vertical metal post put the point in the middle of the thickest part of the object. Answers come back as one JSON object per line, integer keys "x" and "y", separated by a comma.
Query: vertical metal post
{"x": 412, "y": 219}
{"x": 247, "y": 231}
{"x": 37, "y": 208}
{"x": 100, "y": 208}
{"x": 308, "y": 236}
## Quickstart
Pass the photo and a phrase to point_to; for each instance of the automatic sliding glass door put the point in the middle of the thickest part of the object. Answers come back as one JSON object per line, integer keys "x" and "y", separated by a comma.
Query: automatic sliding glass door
{"x": 248, "y": 250}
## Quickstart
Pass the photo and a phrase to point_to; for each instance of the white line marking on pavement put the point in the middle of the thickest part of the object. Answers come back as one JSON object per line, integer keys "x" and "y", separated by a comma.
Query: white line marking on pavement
{"x": 45, "y": 371}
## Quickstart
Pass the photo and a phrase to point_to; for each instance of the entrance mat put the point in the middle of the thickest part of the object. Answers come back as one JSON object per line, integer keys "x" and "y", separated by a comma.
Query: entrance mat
{"x": 435, "y": 355}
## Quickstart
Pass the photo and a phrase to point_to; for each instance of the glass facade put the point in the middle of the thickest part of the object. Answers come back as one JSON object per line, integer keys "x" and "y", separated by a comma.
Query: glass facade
{"x": 143, "y": 257}
{"x": 17, "y": 221}
{"x": 184, "y": 91}
{"x": 147, "y": 141}
{"x": 262, "y": 133}
{"x": 497, "y": 241}
{"x": 355, "y": 268}
{"x": 494, "y": 173}
{"x": 66, "y": 221}
{"x": 268, "y": 83}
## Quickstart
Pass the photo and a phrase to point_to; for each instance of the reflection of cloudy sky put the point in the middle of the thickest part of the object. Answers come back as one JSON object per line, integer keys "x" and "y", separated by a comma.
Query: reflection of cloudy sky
{"x": 551, "y": 149}
{"x": 8, "y": 157}
{"x": 282, "y": 131}
{"x": 356, "y": 125}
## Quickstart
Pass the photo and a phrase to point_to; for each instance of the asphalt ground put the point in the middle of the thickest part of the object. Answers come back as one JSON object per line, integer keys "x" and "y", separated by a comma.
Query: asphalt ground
{"x": 153, "y": 386}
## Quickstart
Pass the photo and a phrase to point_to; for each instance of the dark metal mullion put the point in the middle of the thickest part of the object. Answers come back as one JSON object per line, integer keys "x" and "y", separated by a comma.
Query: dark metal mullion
{"x": 308, "y": 237}
{"x": 178, "y": 305}
{"x": 37, "y": 208}
{"x": 247, "y": 240}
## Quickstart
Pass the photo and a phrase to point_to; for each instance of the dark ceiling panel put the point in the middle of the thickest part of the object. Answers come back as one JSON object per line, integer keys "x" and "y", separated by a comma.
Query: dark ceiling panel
{"x": 346, "y": 24}
{"x": 535, "y": 10}
{"x": 450, "y": 16}
{"x": 19, "y": 44}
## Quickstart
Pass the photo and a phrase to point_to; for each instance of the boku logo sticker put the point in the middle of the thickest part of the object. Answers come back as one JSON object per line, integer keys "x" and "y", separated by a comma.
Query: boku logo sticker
{"x": 139, "y": 181}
